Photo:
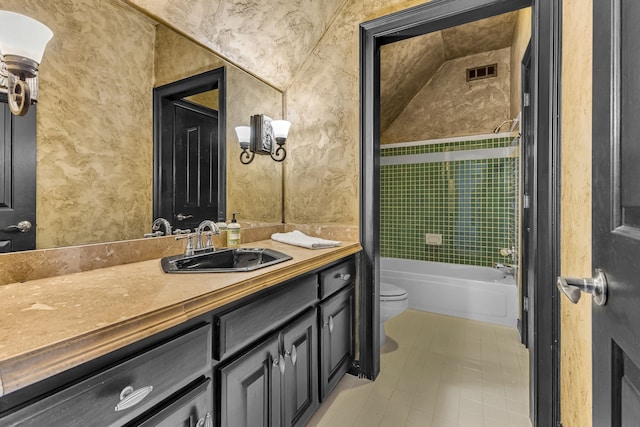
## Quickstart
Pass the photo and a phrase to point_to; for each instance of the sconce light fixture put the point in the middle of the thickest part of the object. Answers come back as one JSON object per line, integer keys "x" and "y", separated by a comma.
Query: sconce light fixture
{"x": 259, "y": 138}
{"x": 22, "y": 44}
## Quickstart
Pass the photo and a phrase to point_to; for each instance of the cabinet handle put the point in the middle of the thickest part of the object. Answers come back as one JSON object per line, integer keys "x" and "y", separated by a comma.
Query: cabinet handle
{"x": 130, "y": 397}
{"x": 279, "y": 362}
{"x": 345, "y": 276}
{"x": 329, "y": 323}
{"x": 207, "y": 421}
{"x": 293, "y": 354}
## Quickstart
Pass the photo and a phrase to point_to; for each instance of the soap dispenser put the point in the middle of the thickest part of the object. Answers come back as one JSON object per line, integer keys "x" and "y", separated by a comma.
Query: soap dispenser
{"x": 233, "y": 232}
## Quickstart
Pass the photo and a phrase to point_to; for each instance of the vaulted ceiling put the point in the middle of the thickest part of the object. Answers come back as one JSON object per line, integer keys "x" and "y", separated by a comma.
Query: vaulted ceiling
{"x": 408, "y": 65}
{"x": 272, "y": 39}
{"x": 269, "y": 38}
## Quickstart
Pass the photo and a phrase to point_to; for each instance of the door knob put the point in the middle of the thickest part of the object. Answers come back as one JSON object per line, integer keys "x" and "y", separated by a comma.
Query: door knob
{"x": 22, "y": 226}
{"x": 182, "y": 217}
{"x": 597, "y": 286}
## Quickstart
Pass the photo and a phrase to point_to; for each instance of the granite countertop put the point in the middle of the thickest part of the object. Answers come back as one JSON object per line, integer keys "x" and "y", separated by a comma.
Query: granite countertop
{"x": 51, "y": 325}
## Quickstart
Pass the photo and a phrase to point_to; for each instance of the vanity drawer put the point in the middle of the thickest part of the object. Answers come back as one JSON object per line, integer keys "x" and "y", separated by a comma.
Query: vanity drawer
{"x": 243, "y": 325}
{"x": 153, "y": 375}
{"x": 337, "y": 277}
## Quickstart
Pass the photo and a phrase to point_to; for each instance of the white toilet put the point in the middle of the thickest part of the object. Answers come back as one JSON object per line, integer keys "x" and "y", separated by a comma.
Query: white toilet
{"x": 393, "y": 301}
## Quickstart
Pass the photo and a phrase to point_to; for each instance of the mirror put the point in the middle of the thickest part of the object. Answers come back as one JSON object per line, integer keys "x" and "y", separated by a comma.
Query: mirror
{"x": 94, "y": 122}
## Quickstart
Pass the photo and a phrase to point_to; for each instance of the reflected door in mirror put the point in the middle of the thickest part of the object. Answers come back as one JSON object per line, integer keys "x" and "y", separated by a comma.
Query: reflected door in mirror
{"x": 17, "y": 179}
{"x": 195, "y": 164}
{"x": 189, "y": 146}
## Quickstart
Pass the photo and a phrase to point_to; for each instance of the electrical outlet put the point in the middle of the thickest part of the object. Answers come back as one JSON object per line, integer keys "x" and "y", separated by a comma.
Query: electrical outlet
{"x": 433, "y": 239}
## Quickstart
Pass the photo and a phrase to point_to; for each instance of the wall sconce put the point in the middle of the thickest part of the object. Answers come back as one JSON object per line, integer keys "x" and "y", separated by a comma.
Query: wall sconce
{"x": 22, "y": 44}
{"x": 260, "y": 136}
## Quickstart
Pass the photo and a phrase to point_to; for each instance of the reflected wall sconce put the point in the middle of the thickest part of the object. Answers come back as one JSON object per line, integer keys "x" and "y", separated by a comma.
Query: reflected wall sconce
{"x": 265, "y": 136}
{"x": 22, "y": 44}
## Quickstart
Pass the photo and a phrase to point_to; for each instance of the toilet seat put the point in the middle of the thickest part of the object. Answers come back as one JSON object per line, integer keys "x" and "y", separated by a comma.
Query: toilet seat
{"x": 391, "y": 292}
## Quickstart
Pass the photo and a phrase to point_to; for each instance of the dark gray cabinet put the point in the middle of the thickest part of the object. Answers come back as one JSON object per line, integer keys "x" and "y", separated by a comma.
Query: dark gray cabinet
{"x": 300, "y": 393}
{"x": 250, "y": 387}
{"x": 336, "y": 340}
{"x": 276, "y": 382}
{"x": 265, "y": 360}
{"x": 135, "y": 386}
{"x": 190, "y": 408}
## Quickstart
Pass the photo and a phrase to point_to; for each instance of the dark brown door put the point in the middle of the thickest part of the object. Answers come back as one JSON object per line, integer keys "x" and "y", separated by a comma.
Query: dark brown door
{"x": 616, "y": 211}
{"x": 17, "y": 179}
{"x": 195, "y": 164}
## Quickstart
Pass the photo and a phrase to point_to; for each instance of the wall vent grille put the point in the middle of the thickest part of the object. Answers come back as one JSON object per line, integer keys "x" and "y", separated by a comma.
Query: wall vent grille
{"x": 484, "y": 72}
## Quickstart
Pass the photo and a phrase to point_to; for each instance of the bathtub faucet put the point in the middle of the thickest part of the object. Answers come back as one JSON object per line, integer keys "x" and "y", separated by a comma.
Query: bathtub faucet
{"x": 507, "y": 268}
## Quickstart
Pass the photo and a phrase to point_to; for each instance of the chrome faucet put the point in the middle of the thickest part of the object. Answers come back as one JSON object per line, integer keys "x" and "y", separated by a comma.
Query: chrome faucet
{"x": 161, "y": 222}
{"x": 508, "y": 268}
{"x": 157, "y": 225}
{"x": 200, "y": 231}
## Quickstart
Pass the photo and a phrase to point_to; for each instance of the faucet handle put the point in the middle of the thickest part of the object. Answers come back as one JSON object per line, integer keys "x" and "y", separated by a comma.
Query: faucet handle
{"x": 188, "y": 250}
{"x": 179, "y": 231}
{"x": 208, "y": 242}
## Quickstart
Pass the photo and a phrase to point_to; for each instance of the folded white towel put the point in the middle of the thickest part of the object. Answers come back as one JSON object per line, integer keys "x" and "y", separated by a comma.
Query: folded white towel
{"x": 298, "y": 238}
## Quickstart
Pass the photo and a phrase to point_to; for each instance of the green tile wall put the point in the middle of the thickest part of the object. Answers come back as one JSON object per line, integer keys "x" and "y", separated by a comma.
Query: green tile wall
{"x": 470, "y": 202}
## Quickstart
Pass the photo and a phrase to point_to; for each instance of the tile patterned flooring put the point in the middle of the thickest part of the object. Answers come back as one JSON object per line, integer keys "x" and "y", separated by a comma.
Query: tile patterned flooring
{"x": 437, "y": 371}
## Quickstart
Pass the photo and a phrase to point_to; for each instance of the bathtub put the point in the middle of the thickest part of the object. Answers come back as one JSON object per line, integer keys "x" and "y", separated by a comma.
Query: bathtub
{"x": 470, "y": 292}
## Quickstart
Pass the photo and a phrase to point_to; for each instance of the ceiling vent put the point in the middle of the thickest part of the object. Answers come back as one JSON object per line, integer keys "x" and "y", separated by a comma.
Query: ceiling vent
{"x": 483, "y": 72}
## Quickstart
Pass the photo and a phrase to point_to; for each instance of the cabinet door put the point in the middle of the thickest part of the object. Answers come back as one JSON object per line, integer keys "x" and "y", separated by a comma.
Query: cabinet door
{"x": 251, "y": 387}
{"x": 300, "y": 398}
{"x": 336, "y": 344}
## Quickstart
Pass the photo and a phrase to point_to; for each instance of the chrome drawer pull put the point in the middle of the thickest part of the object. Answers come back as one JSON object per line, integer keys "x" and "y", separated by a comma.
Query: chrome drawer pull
{"x": 329, "y": 323}
{"x": 293, "y": 354}
{"x": 130, "y": 397}
{"x": 345, "y": 276}
{"x": 207, "y": 421}
{"x": 279, "y": 362}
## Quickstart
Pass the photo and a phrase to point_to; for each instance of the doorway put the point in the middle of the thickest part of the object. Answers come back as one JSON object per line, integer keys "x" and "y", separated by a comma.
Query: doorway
{"x": 431, "y": 17}
{"x": 189, "y": 150}
{"x": 18, "y": 179}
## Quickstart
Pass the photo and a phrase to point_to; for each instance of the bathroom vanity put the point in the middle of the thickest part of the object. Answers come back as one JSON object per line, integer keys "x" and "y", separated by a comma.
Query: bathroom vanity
{"x": 230, "y": 349}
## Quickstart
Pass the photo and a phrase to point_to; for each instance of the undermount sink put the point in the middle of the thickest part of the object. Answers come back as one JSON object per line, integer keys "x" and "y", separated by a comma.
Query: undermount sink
{"x": 223, "y": 261}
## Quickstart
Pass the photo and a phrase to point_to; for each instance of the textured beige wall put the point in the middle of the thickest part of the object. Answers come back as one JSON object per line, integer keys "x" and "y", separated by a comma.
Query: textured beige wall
{"x": 94, "y": 121}
{"x": 270, "y": 39}
{"x": 321, "y": 173}
{"x": 519, "y": 42}
{"x": 450, "y": 106}
{"x": 575, "y": 380}
{"x": 254, "y": 190}
{"x": 405, "y": 67}
{"x": 95, "y": 139}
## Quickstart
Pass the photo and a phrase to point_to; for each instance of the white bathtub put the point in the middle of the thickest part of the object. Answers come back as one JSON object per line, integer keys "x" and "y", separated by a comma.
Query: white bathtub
{"x": 470, "y": 292}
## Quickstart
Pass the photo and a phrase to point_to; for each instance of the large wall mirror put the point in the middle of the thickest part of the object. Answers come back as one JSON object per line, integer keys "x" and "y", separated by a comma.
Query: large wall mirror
{"x": 94, "y": 122}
